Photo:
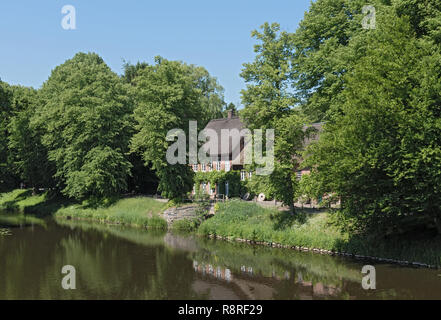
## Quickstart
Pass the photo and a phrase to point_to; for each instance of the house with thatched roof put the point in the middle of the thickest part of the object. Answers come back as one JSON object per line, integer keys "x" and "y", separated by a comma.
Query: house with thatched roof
{"x": 231, "y": 157}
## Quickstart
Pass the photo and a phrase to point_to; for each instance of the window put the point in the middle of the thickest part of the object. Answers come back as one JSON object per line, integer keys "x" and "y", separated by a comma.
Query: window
{"x": 243, "y": 175}
{"x": 204, "y": 187}
{"x": 226, "y": 189}
{"x": 299, "y": 175}
{"x": 203, "y": 167}
{"x": 250, "y": 174}
{"x": 195, "y": 168}
{"x": 218, "y": 165}
{"x": 210, "y": 166}
{"x": 227, "y": 165}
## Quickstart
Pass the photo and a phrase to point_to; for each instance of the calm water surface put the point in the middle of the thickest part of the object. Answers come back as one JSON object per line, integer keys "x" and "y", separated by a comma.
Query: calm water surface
{"x": 124, "y": 263}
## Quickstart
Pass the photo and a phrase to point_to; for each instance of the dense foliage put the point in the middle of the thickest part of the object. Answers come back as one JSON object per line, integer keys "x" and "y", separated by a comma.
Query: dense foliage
{"x": 86, "y": 115}
{"x": 380, "y": 152}
{"x": 169, "y": 95}
{"x": 269, "y": 104}
{"x": 236, "y": 187}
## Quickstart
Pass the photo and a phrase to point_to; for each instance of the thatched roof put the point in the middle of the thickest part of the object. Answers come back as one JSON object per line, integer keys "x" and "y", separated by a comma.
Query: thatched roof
{"x": 225, "y": 124}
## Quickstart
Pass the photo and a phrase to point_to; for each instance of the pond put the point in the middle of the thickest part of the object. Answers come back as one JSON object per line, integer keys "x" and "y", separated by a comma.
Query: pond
{"x": 114, "y": 262}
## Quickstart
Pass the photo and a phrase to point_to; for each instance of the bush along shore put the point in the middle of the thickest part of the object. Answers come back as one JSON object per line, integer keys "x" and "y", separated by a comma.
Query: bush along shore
{"x": 236, "y": 221}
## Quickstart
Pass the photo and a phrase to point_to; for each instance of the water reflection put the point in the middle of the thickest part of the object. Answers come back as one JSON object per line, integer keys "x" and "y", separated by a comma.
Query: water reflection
{"x": 114, "y": 262}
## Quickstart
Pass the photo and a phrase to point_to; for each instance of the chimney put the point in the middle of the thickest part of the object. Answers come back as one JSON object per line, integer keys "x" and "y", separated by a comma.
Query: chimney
{"x": 230, "y": 114}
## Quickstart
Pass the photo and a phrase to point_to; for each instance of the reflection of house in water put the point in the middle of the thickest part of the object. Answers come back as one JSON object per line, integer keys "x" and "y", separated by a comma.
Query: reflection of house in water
{"x": 248, "y": 285}
{"x": 217, "y": 272}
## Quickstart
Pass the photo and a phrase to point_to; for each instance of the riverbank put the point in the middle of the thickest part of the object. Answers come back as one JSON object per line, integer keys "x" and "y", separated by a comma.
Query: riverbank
{"x": 137, "y": 211}
{"x": 141, "y": 212}
{"x": 248, "y": 222}
{"x": 239, "y": 221}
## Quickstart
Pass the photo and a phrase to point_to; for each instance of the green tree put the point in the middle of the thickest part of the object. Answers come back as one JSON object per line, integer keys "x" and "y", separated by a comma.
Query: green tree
{"x": 424, "y": 15}
{"x": 7, "y": 177}
{"x": 131, "y": 70}
{"x": 382, "y": 154}
{"x": 87, "y": 120}
{"x": 269, "y": 104}
{"x": 169, "y": 94}
{"x": 28, "y": 155}
{"x": 268, "y": 96}
{"x": 325, "y": 50}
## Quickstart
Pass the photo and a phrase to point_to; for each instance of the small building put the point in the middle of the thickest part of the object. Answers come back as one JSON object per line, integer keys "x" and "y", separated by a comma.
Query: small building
{"x": 222, "y": 158}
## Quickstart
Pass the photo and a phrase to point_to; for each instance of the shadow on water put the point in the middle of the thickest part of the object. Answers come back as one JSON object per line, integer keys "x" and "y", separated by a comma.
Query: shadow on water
{"x": 114, "y": 262}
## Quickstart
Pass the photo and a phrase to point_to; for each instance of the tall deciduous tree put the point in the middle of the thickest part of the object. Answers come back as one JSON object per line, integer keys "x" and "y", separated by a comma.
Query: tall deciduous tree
{"x": 269, "y": 104}
{"x": 28, "y": 155}
{"x": 382, "y": 154}
{"x": 169, "y": 94}
{"x": 7, "y": 177}
{"x": 87, "y": 119}
{"x": 268, "y": 96}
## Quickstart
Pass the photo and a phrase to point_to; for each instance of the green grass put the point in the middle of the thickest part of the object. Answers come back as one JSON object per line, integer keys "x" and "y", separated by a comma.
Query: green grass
{"x": 19, "y": 200}
{"x": 139, "y": 212}
{"x": 186, "y": 225}
{"x": 238, "y": 219}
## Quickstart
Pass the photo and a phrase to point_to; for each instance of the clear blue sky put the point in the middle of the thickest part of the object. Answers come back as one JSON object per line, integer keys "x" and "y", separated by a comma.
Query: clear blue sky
{"x": 213, "y": 34}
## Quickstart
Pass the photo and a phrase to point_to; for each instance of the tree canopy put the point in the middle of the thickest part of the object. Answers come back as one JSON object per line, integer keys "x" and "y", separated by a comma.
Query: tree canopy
{"x": 87, "y": 120}
{"x": 381, "y": 154}
{"x": 168, "y": 95}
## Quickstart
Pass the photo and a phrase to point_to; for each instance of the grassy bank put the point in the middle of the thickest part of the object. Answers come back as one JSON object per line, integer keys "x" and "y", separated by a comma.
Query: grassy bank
{"x": 22, "y": 201}
{"x": 234, "y": 220}
{"x": 242, "y": 220}
{"x": 138, "y": 211}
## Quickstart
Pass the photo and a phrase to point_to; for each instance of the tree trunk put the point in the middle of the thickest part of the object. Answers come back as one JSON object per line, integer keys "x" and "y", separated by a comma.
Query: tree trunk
{"x": 438, "y": 224}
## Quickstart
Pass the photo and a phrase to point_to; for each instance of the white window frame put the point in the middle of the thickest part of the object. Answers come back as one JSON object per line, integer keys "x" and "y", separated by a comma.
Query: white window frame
{"x": 218, "y": 166}
{"x": 195, "y": 168}
{"x": 243, "y": 175}
{"x": 227, "y": 166}
{"x": 203, "y": 168}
